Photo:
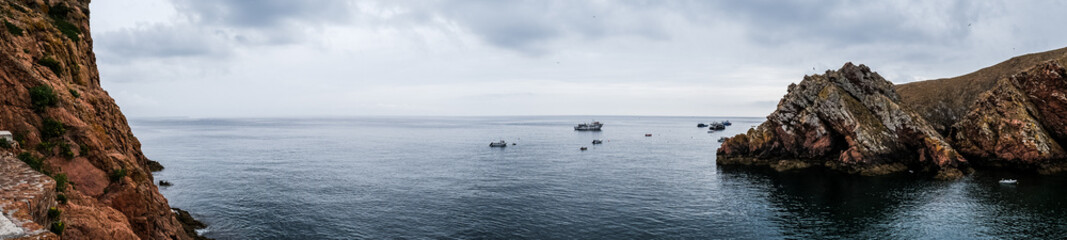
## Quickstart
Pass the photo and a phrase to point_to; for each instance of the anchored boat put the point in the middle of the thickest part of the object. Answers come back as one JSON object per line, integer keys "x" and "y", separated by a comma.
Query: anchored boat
{"x": 501, "y": 143}
{"x": 594, "y": 126}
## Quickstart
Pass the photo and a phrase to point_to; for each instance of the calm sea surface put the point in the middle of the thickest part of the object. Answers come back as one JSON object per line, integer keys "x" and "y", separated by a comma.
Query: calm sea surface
{"x": 437, "y": 178}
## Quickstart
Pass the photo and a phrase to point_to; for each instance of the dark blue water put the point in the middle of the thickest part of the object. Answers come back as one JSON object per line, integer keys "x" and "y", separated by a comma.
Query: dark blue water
{"x": 436, "y": 178}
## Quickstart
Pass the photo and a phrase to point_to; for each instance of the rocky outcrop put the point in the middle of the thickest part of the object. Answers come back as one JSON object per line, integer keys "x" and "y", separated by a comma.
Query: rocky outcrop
{"x": 850, "y": 119}
{"x": 25, "y": 197}
{"x": 1020, "y": 123}
{"x": 50, "y": 97}
{"x": 1010, "y": 115}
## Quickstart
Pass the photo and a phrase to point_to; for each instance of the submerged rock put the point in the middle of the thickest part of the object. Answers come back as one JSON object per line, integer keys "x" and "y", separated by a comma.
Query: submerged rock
{"x": 851, "y": 120}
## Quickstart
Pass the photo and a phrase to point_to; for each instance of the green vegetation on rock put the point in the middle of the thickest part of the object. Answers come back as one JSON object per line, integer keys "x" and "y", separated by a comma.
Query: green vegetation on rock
{"x": 68, "y": 29}
{"x": 31, "y": 160}
{"x": 57, "y": 227}
{"x": 62, "y": 198}
{"x": 42, "y": 97}
{"x": 65, "y": 151}
{"x": 11, "y": 28}
{"x": 117, "y": 174}
{"x": 50, "y": 128}
{"x": 52, "y": 64}
{"x": 61, "y": 182}
{"x": 54, "y": 213}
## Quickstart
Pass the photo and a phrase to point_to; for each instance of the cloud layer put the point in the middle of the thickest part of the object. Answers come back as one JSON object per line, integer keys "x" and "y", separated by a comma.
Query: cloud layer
{"x": 316, "y": 58}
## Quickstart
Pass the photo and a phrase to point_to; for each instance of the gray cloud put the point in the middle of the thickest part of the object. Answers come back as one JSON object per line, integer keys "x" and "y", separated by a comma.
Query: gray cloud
{"x": 162, "y": 41}
{"x": 532, "y": 26}
{"x": 839, "y": 22}
{"x": 264, "y": 14}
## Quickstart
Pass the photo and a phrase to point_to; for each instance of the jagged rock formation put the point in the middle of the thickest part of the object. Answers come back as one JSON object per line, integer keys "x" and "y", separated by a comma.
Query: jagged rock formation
{"x": 50, "y": 97}
{"x": 850, "y": 119}
{"x": 1013, "y": 114}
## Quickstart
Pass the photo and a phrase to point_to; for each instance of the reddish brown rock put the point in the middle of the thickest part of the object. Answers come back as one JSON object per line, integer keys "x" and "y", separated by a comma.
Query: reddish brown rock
{"x": 25, "y": 197}
{"x": 1020, "y": 123}
{"x": 851, "y": 120}
{"x": 96, "y": 133}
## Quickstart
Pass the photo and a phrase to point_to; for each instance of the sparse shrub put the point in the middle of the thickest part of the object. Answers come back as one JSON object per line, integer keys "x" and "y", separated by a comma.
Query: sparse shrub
{"x": 52, "y": 64}
{"x": 57, "y": 227}
{"x": 46, "y": 148}
{"x": 42, "y": 97}
{"x": 11, "y": 28}
{"x": 31, "y": 160}
{"x": 53, "y": 213}
{"x": 83, "y": 149}
{"x": 50, "y": 128}
{"x": 20, "y": 137}
{"x": 117, "y": 174}
{"x": 58, "y": 11}
{"x": 61, "y": 182}
{"x": 68, "y": 29}
{"x": 62, "y": 198}
{"x": 74, "y": 93}
{"x": 65, "y": 151}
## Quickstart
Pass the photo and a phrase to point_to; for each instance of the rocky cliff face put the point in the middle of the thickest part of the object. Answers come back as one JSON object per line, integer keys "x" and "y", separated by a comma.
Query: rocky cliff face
{"x": 850, "y": 119}
{"x": 1013, "y": 114}
{"x": 1021, "y": 122}
{"x": 50, "y": 97}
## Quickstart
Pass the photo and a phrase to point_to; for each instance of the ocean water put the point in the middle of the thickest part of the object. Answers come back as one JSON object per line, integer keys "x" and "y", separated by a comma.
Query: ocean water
{"x": 437, "y": 178}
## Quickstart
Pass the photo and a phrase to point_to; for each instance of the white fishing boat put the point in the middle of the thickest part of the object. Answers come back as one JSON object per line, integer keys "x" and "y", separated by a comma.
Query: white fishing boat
{"x": 501, "y": 143}
{"x": 1008, "y": 181}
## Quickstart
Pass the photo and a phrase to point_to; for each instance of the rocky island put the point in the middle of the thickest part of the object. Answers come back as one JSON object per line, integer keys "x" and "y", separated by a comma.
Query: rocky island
{"x": 73, "y": 168}
{"x": 1010, "y": 115}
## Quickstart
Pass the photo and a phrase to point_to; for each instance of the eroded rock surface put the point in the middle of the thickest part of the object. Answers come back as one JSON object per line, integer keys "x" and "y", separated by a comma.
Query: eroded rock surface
{"x": 25, "y": 196}
{"x": 1020, "y": 123}
{"x": 850, "y": 119}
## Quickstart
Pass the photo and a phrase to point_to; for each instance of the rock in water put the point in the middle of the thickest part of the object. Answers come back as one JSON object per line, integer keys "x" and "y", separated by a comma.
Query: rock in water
{"x": 851, "y": 120}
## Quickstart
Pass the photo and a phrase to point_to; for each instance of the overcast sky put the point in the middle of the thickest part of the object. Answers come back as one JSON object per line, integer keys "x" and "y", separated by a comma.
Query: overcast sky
{"x": 270, "y": 58}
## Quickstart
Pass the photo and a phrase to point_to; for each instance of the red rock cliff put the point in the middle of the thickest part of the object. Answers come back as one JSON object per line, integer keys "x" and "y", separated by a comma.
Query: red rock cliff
{"x": 50, "y": 97}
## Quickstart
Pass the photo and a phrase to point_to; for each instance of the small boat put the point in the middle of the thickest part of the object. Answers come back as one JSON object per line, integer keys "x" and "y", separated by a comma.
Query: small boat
{"x": 597, "y": 141}
{"x": 711, "y": 131}
{"x": 1008, "y": 181}
{"x": 594, "y": 126}
{"x": 648, "y": 134}
{"x": 716, "y": 126}
{"x": 583, "y": 148}
{"x": 727, "y": 123}
{"x": 702, "y": 125}
{"x": 722, "y": 139}
{"x": 501, "y": 143}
